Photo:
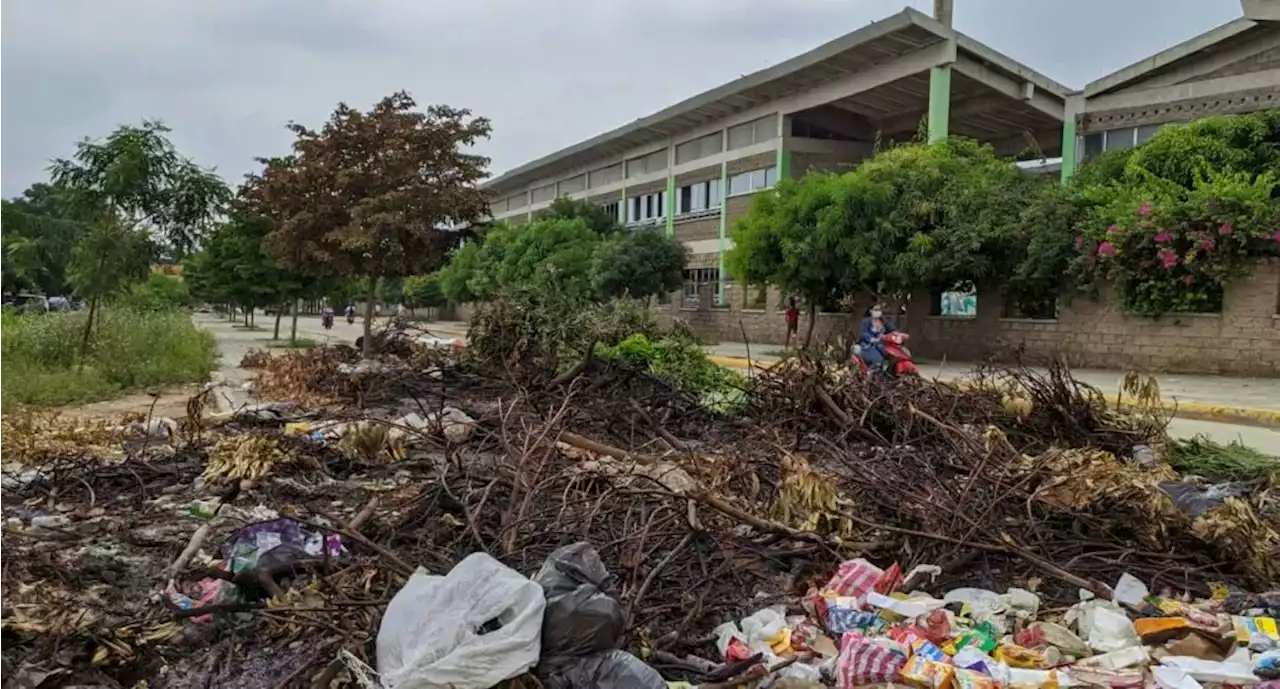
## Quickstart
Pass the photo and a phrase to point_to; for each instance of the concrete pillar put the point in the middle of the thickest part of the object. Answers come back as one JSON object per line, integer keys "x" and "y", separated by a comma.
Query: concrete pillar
{"x": 671, "y": 187}
{"x": 940, "y": 81}
{"x": 943, "y": 11}
{"x": 1072, "y": 107}
{"x": 724, "y": 202}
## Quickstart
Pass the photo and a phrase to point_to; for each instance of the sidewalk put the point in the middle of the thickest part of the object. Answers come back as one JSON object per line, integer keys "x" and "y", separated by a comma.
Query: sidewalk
{"x": 1250, "y": 401}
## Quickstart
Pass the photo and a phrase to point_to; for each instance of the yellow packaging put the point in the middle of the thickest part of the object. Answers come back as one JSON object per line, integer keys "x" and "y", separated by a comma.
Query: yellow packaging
{"x": 1018, "y": 656}
{"x": 781, "y": 642}
{"x": 928, "y": 674}
{"x": 297, "y": 428}
{"x": 1250, "y": 626}
{"x": 972, "y": 679}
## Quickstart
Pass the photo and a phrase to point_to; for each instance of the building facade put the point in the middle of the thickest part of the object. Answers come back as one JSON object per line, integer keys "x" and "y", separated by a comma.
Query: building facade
{"x": 690, "y": 170}
{"x": 1232, "y": 69}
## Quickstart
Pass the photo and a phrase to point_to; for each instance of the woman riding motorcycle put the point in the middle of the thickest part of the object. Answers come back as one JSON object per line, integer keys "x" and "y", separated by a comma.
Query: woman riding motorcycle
{"x": 874, "y": 327}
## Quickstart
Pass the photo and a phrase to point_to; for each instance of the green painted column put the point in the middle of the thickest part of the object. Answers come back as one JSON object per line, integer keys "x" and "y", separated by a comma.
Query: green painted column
{"x": 724, "y": 221}
{"x": 783, "y": 163}
{"x": 939, "y": 102}
{"x": 623, "y": 202}
{"x": 1068, "y": 149}
{"x": 671, "y": 204}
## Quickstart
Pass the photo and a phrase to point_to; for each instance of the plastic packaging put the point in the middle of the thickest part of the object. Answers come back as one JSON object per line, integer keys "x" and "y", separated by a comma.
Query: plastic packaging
{"x": 731, "y": 643}
{"x": 1062, "y": 638}
{"x": 905, "y": 607}
{"x": 1167, "y": 677}
{"x": 1225, "y": 672}
{"x": 1109, "y": 629}
{"x": 1130, "y": 590}
{"x": 866, "y": 660}
{"x": 610, "y": 670}
{"x": 580, "y": 619}
{"x": 1129, "y": 656}
{"x": 436, "y": 631}
{"x": 980, "y": 602}
{"x": 926, "y": 673}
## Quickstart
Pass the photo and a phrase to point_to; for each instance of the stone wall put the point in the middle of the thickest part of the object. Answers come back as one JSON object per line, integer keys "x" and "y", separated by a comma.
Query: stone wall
{"x": 1096, "y": 333}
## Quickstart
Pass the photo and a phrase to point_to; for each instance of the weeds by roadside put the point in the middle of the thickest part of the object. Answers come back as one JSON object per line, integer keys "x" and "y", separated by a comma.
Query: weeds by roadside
{"x": 1217, "y": 462}
{"x": 130, "y": 349}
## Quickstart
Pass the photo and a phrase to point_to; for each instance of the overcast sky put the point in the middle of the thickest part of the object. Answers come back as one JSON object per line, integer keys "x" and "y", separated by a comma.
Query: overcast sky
{"x": 227, "y": 75}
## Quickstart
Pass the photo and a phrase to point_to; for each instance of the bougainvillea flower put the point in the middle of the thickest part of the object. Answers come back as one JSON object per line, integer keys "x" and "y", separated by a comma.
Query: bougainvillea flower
{"x": 1113, "y": 230}
{"x": 1226, "y": 228}
{"x": 1163, "y": 238}
{"x": 1144, "y": 209}
{"x": 1106, "y": 249}
{"x": 1207, "y": 244}
{"x": 1188, "y": 280}
{"x": 1168, "y": 258}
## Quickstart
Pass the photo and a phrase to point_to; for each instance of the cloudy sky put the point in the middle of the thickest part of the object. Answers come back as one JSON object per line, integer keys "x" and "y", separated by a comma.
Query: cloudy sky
{"x": 227, "y": 75}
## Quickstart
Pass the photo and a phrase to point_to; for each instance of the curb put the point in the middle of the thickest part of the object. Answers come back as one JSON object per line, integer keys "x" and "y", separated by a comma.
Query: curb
{"x": 1199, "y": 411}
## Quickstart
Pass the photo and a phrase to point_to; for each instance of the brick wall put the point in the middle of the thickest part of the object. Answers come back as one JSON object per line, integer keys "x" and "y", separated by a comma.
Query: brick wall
{"x": 1244, "y": 339}
{"x": 699, "y": 228}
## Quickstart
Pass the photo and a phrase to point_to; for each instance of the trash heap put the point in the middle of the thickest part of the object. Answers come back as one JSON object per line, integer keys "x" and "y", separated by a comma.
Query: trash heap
{"x": 429, "y": 519}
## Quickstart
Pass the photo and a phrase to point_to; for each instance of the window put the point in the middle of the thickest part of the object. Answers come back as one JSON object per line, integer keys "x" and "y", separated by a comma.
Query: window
{"x": 755, "y": 180}
{"x": 543, "y": 194}
{"x": 605, "y": 175}
{"x": 498, "y": 206}
{"x": 755, "y": 296}
{"x": 698, "y": 197}
{"x": 614, "y": 210}
{"x": 1145, "y": 133}
{"x": 518, "y": 201}
{"x": 1092, "y": 145}
{"x": 698, "y": 148}
{"x": 1118, "y": 139}
{"x": 573, "y": 184}
{"x": 646, "y": 208}
{"x": 694, "y": 280}
{"x": 654, "y": 162}
{"x": 754, "y": 132}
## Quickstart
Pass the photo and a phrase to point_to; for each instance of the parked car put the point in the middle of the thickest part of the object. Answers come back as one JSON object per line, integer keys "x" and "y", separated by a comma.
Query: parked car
{"x": 27, "y": 303}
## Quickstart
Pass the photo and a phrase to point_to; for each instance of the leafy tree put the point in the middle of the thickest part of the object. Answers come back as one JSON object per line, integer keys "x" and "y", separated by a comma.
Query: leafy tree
{"x": 371, "y": 194}
{"x": 424, "y": 292}
{"x": 137, "y": 176}
{"x": 104, "y": 263}
{"x": 159, "y": 293}
{"x": 598, "y": 220}
{"x": 637, "y": 264}
{"x": 800, "y": 238}
{"x": 547, "y": 254}
{"x": 40, "y": 229}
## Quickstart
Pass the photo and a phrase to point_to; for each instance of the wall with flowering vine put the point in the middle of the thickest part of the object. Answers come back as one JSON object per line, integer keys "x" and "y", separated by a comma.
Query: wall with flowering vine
{"x": 1195, "y": 207}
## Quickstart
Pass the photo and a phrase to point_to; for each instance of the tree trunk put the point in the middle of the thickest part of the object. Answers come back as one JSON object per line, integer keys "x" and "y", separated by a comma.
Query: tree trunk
{"x": 813, "y": 320}
{"x": 369, "y": 307}
{"x": 279, "y": 313}
{"x": 246, "y": 317}
{"x": 293, "y": 327}
{"x": 88, "y": 331}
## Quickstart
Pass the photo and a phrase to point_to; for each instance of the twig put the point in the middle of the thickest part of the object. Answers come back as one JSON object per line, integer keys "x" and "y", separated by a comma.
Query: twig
{"x": 756, "y": 673}
{"x": 657, "y": 569}
{"x": 588, "y": 444}
{"x": 576, "y": 370}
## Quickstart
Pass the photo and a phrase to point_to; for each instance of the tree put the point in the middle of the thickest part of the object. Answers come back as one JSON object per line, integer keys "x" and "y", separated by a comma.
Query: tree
{"x": 552, "y": 254}
{"x": 373, "y": 194}
{"x": 110, "y": 258}
{"x": 598, "y": 220}
{"x": 423, "y": 291}
{"x": 799, "y": 238}
{"x": 637, "y": 264}
{"x": 137, "y": 176}
{"x": 40, "y": 229}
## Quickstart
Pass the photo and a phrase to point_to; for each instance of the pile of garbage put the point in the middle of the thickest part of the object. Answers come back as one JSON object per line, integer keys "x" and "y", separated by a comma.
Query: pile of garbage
{"x": 427, "y": 520}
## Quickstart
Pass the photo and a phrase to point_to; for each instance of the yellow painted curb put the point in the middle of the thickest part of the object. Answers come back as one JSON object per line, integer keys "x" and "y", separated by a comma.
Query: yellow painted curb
{"x": 1248, "y": 416}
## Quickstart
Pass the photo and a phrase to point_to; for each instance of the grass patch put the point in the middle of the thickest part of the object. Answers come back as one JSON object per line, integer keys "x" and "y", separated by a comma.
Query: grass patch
{"x": 1217, "y": 462}
{"x": 130, "y": 349}
{"x": 300, "y": 343}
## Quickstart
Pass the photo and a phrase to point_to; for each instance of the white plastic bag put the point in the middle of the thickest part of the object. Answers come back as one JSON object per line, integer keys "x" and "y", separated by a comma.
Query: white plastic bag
{"x": 430, "y": 635}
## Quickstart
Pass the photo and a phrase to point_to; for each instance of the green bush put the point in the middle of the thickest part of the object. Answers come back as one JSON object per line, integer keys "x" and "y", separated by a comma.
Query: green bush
{"x": 682, "y": 363}
{"x": 129, "y": 349}
{"x": 158, "y": 293}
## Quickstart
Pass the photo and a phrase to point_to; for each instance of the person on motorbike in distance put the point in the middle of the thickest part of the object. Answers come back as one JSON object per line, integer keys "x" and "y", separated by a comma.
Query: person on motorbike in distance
{"x": 874, "y": 327}
{"x": 351, "y": 314}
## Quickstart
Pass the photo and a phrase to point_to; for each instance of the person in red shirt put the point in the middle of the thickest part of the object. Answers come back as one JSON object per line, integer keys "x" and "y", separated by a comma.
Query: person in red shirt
{"x": 793, "y": 320}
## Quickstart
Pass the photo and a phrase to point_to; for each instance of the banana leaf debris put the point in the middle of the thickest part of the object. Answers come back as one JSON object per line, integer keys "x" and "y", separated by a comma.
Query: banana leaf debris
{"x": 834, "y": 531}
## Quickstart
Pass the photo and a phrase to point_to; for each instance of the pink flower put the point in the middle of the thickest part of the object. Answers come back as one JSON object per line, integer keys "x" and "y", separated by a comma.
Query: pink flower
{"x": 1226, "y": 228}
{"x": 1113, "y": 230}
{"x": 1163, "y": 238}
{"x": 1144, "y": 209}
{"x": 1275, "y": 236}
{"x": 1207, "y": 244}
{"x": 1106, "y": 249}
{"x": 1188, "y": 280}
{"x": 1168, "y": 258}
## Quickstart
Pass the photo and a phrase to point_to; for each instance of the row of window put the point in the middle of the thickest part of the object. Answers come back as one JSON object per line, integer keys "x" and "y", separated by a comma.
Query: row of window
{"x": 695, "y": 278}
{"x": 1118, "y": 139}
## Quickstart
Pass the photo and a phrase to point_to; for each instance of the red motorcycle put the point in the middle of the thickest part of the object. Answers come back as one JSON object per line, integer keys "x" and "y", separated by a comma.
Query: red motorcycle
{"x": 897, "y": 358}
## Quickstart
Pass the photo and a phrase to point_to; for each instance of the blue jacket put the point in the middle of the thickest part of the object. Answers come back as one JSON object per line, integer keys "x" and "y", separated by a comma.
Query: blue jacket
{"x": 869, "y": 334}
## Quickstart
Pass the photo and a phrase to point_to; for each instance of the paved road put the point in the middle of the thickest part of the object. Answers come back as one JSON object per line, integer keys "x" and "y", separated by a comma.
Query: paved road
{"x": 234, "y": 343}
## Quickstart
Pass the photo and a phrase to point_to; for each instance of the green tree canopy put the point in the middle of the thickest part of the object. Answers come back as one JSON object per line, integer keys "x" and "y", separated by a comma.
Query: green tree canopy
{"x": 637, "y": 264}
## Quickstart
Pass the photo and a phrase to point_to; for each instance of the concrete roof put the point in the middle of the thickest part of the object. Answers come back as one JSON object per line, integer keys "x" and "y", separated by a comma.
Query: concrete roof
{"x": 1199, "y": 46}
{"x": 877, "y": 43}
